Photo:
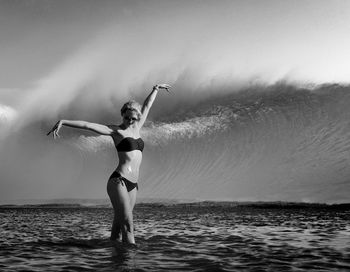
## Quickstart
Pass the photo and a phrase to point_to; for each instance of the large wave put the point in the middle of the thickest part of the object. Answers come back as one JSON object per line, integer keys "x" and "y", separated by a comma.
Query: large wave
{"x": 264, "y": 143}
{"x": 268, "y": 143}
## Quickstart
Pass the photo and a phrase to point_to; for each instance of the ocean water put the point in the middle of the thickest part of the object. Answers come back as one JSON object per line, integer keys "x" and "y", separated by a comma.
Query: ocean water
{"x": 178, "y": 237}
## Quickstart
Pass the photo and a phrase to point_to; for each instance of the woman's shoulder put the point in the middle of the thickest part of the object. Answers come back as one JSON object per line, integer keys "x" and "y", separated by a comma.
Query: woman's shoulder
{"x": 115, "y": 128}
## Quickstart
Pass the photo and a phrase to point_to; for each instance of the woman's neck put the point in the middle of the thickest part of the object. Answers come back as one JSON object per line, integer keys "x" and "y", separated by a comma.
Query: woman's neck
{"x": 125, "y": 127}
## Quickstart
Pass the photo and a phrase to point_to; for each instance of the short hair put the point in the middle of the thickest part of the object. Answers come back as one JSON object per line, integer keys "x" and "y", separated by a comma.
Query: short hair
{"x": 131, "y": 105}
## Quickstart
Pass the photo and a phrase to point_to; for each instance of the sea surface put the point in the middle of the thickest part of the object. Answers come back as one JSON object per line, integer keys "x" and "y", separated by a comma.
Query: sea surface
{"x": 177, "y": 237}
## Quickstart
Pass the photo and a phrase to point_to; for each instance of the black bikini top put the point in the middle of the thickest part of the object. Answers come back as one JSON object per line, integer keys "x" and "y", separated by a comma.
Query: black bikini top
{"x": 128, "y": 143}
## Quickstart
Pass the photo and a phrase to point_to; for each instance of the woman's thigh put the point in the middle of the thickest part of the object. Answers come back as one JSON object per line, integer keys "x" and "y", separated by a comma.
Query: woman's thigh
{"x": 119, "y": 196}
{"x": 132, "y": 196}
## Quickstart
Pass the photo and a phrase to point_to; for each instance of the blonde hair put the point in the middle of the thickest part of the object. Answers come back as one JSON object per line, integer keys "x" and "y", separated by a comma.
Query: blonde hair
{"x": 131, "y": 105}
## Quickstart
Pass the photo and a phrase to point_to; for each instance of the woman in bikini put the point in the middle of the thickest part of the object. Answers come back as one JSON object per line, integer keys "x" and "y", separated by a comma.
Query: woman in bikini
{"x": 122, "y": 184}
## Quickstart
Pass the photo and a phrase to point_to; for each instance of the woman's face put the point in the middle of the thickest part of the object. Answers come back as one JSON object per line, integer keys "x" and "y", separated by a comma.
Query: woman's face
{"x": 130, "y": 117}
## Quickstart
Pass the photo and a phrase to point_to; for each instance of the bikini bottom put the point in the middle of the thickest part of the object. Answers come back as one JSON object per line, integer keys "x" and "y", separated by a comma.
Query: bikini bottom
{"x": 118, "y": 178}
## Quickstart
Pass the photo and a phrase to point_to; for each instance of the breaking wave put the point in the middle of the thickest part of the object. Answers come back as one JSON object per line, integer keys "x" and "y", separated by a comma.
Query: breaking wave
{"x": 273, "y": 143}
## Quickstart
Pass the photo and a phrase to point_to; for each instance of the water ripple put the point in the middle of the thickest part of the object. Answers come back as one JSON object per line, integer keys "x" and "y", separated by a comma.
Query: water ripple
{"x": 177, "y": 239}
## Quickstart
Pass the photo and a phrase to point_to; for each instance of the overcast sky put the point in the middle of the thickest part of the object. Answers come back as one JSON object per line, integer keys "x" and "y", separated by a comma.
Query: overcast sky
{"x": 303, "y": 39}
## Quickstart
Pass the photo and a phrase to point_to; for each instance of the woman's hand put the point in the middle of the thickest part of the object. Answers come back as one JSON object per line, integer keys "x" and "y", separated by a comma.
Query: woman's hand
{"x": 162, "y": 86}
{"x": 55, "y": 130}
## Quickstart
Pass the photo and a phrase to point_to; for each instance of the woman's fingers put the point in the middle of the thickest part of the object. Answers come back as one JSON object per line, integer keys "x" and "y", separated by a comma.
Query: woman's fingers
{"x": 57, "y": 130}
{"x": 164, "y": 86}
{"x": 55, "y": 134}
{"x": 54, "y": 131}
{"x": 51, "y": 131}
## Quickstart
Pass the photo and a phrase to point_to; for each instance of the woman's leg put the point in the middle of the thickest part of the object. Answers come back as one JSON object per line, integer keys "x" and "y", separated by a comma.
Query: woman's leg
{"x": 115, "y": 231}
{"x": 122, "y": 211}
{"x": 132, "y": 195}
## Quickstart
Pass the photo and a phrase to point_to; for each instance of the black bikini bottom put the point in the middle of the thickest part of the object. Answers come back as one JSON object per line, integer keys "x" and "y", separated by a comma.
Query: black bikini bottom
{"x": 129, "y": 184}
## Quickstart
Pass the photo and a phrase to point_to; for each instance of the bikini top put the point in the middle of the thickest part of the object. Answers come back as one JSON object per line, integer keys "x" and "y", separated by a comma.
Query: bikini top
{"x": 128, "y": 143}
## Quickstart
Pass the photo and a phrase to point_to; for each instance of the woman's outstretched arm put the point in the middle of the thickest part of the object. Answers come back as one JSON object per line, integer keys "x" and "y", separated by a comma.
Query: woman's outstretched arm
{"x": 147, "y": 104}
{"x": 98, "y": 128}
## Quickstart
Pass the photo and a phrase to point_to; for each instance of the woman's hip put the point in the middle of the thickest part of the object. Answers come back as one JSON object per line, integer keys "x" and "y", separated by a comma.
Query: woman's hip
{"x": 116, "y": 179}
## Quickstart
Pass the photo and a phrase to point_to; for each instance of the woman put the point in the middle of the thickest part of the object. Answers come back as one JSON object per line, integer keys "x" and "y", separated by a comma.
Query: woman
{"x": 122, "y": 184}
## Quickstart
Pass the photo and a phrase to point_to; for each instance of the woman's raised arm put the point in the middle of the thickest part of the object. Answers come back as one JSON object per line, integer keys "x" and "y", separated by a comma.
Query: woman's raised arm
{"x": 147, "y": 104}
{"x": 98, "y": 128}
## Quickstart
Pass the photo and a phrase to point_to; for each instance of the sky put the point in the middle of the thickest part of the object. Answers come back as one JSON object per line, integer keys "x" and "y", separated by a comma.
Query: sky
{"x": 307, "y": 39}
{"x": 83, "y": 59}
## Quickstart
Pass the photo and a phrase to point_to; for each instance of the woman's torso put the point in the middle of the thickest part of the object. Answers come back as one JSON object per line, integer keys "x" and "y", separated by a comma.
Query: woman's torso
{"x": 129, "y": 160}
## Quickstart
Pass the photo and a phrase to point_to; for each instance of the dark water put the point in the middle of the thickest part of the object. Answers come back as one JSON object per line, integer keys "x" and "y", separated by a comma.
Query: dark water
{"x": 177, "y": 238}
